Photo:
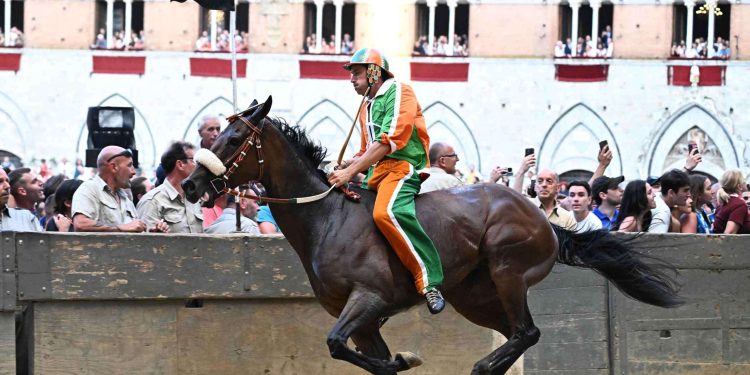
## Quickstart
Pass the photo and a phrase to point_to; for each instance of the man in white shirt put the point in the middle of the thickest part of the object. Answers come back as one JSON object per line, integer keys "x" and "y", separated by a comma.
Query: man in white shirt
{"x": 580, "y": 203}
{"x": 443, "y": 159}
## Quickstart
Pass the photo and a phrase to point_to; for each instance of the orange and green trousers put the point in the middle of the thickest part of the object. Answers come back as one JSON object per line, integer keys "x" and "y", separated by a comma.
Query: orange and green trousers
{"x": 397, "y": 184}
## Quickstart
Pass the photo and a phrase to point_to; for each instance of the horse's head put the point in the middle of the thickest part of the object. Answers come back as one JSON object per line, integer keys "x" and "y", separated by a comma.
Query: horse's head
{"x": 233, "y": 159}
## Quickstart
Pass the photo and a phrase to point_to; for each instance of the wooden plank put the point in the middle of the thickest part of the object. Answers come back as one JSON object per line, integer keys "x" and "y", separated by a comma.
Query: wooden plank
{"x": 94, "y": 338}
{"x": 7, "y": 343}
{"x": 109, "y": 267}
{"x": 7, "y": 271}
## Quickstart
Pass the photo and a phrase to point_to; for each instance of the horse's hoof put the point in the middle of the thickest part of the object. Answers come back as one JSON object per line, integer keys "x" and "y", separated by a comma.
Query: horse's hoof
{"x": 408, "y": 359}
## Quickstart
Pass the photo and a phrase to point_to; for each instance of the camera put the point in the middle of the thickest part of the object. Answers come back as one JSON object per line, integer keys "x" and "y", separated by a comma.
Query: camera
{"x": 508, "y": 172}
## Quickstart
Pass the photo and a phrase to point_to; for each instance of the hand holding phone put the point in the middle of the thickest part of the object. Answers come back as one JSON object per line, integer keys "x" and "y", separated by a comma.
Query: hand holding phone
{"x": 529, "y": 151}
{"x": 602, "y": 144}
{"x": 691, "y": 147}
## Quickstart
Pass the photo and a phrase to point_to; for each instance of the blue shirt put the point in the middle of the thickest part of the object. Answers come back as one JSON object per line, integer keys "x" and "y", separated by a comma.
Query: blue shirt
{"x": 606, "y": 221}
{"x": 264, "y": 215}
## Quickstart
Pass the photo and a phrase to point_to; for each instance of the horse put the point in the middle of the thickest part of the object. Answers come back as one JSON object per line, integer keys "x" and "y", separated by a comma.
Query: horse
{"x": 493, "y": 242}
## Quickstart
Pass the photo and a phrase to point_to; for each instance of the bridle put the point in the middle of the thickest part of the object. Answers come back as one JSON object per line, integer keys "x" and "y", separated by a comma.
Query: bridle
{"x": 219, "y": 184}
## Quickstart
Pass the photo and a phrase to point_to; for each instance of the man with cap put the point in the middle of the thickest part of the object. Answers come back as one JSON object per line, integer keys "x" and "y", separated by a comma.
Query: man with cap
{"x": 394, "y": 149}
{"x": 607, "y": 195}
{"x": 101, "y": 204}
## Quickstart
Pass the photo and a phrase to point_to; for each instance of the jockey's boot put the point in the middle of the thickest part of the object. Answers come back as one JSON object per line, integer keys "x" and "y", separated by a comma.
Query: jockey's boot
{"x": 435, "y": 301}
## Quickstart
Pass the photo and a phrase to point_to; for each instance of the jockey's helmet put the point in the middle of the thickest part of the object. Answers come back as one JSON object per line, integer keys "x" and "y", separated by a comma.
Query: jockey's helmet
{"x": 377, "y": 64}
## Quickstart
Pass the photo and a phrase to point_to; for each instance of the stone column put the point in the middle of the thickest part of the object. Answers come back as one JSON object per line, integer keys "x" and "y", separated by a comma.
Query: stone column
{"x": 339, "y": 4}
{"x": 595, "y": 6}
{"x": 110, "y": 23}
{"x": 319, "y": 25}
{"x": 431, "y": 4}
{"x": 128, "y": 20}
{"x": 710, "y": 40}
{"x": 452, "y": 4}
{"x": 214, "y": 27}
{"x": 690, "y": 5}
{"x": 574, "y": 6}
{"x": 6, "y": 32}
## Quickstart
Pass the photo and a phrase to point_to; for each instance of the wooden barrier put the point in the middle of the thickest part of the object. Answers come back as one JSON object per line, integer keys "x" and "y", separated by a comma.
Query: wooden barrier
{"x": 236, "y": 304}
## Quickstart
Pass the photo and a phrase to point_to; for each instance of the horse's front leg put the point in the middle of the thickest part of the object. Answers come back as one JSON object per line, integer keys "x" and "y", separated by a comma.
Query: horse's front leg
{"x": 362, "y": 309}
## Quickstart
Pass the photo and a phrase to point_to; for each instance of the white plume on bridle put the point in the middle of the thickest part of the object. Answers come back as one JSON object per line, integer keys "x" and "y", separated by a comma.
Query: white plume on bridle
{"x": 209, "y": 160}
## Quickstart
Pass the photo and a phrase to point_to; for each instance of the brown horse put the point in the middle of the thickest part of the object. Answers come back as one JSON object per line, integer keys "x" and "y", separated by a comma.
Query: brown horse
{"x": 494, "y": 244}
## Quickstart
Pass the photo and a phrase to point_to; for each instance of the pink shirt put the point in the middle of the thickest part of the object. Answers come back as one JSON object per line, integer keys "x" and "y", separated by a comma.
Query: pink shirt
{"x": 211, "y": 214}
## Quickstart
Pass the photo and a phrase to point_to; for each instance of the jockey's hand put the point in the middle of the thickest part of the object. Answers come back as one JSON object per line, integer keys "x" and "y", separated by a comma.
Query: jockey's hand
{"x": 528, "y": 162}
{"x": 344, "y": 164}
{"x": 340, "y": 177}
{"x": 693, "y": 160}
{"x": 605, "y": 156}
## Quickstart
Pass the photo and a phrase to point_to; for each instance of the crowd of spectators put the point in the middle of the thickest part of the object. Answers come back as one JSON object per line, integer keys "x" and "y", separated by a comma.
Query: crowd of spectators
{"x": 241, "y": 41}
{"x": 700, "y": 49}
{"x": 117, "y": 198}
{"x": 14, "y": 38}
{"x": 602, "y": 47}
{"x": 441, "y": 47}
{"x": 328, "y": 46}
{"x": 678, "y": 201}
{"x": 137, "y": 41}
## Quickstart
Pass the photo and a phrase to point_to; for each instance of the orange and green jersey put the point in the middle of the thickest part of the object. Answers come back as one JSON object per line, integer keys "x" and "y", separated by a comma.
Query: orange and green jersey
{"x": 394, "y": 117}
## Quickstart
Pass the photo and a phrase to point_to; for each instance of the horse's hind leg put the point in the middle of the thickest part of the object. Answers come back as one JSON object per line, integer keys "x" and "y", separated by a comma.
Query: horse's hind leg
{"x": 523, "y": 333}
{"x": 362, "y": 310}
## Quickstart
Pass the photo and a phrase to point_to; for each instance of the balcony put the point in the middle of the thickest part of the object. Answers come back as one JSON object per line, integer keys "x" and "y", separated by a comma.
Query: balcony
{"x": 220, "y": 66}
{"x": 118, "y": 62}
{"x": 711, "y": 72}
{"x": 581, "y": 69}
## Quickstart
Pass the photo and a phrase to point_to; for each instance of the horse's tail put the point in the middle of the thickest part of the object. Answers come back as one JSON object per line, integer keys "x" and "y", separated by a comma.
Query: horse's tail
{"x": 613, "y": 258}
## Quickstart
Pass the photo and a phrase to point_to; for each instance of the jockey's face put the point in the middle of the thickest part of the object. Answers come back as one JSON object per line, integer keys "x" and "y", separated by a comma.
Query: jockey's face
{"x": 359, "y": 78}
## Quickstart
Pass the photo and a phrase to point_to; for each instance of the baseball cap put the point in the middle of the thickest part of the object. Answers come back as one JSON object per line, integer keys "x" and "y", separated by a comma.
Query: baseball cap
{"x": 604, "y": 183}
{"x": 654, "y": 180}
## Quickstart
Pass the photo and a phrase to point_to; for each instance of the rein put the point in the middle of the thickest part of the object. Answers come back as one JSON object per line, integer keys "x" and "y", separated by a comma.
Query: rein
{"x": 219, "y": 184}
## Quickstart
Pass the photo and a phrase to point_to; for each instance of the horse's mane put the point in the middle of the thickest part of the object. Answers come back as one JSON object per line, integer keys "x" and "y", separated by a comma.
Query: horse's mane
{"x": 311, "y": 151}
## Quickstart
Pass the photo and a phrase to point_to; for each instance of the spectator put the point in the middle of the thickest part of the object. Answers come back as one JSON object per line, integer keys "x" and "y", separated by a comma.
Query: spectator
{"x": 79, "y": 170}
{"x": 607, "y": 195}
{"x": 579, "y": 194}
{"x": 746, "y": 196}
{"x": 62, "y": 221}
{"x": 473, "y": 177}
{"x": 635, "y": 210}
{"x": 209, "y": 130}
{"x": 443, "y": 159}
{"x": 732, "y": 217}
{"x": 139, "y": 186}
{"x": 100, "y": 42}
{"x": 697, "y": 220}
{"x": 210, "y": 214}
{"x": 203, "y": 43}
{"x": 569, "y": 47}
{"x": 44, "y": 171}
{"x": 166, "y": 203}
{"x": 528, "y": 162}
{"x": 26, "y": 188}
{"x": 266, "y": 222}
{"x": 49, "y": 188}
{"x": 547, "y": 188}
{"x": 347, "y": 44}
{"x": 7, "y": 164}
{"x": 14, "y": 219}
{"x": 560, "y": 49}
{"x": 2, "y": 39}
{"x": 16, "y": 37}
{"x": 675, "y": 190}
{"x": 677, "y": 212}
{"x": 714, "y": 202}
{"x": 227, "y": 222}
{"x": 101, "y": 204}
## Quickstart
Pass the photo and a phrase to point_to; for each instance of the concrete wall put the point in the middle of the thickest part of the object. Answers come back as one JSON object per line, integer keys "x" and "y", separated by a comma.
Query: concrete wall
{"x": 171, "y": 26}
{"x": 63, "y": 24}
{"x": 512, "y": 30}
{"x": 637, "y": 36}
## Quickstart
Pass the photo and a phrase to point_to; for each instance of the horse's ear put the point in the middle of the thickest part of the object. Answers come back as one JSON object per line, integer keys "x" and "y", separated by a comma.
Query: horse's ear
{"x": 254, "y": 103}
{"x": 262, "y": 111}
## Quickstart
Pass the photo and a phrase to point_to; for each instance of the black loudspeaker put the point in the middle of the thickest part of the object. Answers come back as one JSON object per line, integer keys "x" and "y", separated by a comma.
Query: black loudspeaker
{"x": 110, "y": 126}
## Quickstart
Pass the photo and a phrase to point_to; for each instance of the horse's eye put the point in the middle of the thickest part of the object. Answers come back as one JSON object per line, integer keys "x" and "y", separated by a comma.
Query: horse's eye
{"x": 235, "y": 141}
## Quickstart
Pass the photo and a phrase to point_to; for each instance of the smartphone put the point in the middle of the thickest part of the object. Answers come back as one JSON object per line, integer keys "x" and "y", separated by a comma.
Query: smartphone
{"x": 691, "y": 147}
{"x": 602, "y": 144}
{"x": 529, "y": 151}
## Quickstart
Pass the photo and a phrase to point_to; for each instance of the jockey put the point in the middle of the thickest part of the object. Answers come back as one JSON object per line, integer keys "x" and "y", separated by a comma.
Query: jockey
{"x": 393, "y": 151}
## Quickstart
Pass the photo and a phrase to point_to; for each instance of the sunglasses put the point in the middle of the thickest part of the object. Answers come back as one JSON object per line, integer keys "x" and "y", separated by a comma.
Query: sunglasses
{"x": 126, "y": 153}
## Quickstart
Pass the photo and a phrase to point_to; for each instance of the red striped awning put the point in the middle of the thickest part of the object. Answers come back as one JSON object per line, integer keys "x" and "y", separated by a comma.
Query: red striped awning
{"x": 119, "y": 64}
{"x": 10, "y": 61}
{"x": 439, "y": 72}
{"x": 211, "y": 67}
